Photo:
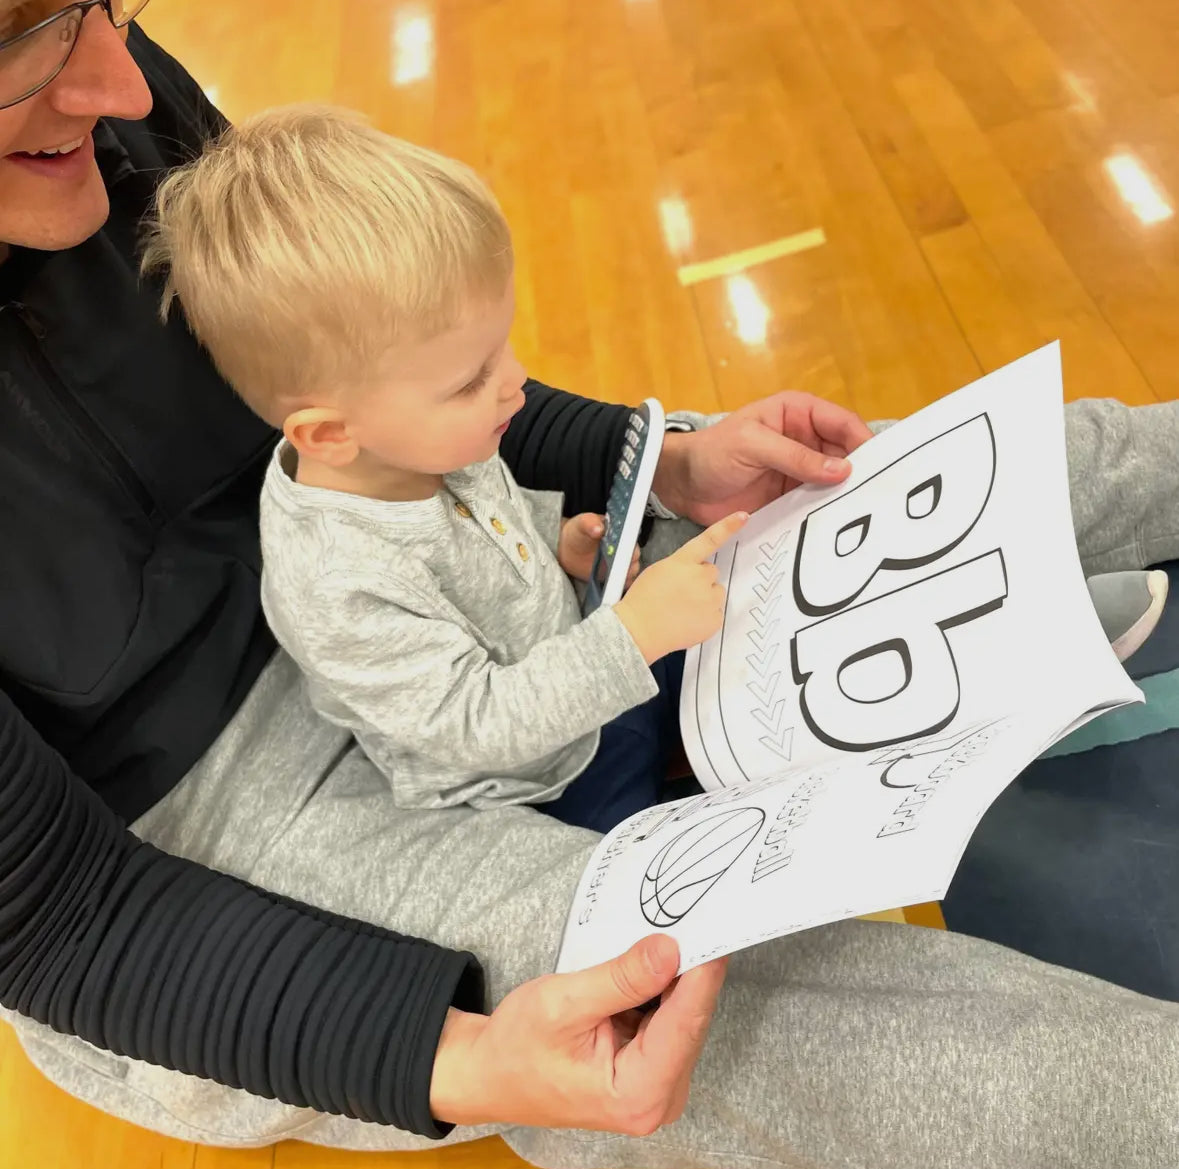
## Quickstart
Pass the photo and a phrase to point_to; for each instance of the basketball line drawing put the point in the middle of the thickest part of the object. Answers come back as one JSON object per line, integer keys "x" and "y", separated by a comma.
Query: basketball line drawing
{"x": 691, "y": 864}
{"x": 713, "y": 799}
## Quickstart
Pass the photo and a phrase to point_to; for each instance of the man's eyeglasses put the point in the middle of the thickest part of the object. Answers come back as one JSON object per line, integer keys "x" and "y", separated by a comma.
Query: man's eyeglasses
{"x": 38, "y": 36}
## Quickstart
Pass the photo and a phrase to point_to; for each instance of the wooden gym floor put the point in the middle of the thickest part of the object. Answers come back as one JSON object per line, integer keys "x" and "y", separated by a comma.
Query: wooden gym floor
{"x": 874, "y": 200}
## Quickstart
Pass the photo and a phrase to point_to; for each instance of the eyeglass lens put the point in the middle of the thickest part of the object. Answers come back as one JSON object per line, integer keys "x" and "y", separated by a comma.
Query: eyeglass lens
{"x": 34, "y": 47}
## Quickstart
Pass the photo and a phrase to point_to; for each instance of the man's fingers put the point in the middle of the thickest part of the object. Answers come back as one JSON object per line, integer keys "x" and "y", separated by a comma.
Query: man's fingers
{"x": 706, "y": 545}
{"x": 671, "y": 1038}
{"x": 626, "y": 1026}
{"x": 679, "y": 1099}
{"x": 634, "y": 570}
{"x": 628, "y": 981}
{"x": 674, "y": 1096}
{"x": 837, "y": 425}
{"x": 794, "y": 459}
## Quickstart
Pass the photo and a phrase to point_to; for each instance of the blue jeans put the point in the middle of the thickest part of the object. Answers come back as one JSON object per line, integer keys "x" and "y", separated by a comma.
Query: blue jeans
{"x": 629, "y": 772}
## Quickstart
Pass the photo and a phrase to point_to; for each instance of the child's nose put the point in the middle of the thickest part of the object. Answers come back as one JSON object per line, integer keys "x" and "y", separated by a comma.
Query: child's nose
{"x": 513, "y": 380}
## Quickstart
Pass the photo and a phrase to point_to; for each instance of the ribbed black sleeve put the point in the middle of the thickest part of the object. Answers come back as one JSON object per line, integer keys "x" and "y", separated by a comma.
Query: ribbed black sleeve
{"x": 105, "y": 937}
{"x": 560, "y": 442}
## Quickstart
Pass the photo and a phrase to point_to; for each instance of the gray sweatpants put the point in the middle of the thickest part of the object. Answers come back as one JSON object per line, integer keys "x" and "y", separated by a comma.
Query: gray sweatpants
{"x": 860, "y": 1045}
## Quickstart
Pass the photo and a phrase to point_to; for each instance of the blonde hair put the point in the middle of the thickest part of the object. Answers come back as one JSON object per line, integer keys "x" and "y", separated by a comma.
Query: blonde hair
{"x": 304, "y": 243}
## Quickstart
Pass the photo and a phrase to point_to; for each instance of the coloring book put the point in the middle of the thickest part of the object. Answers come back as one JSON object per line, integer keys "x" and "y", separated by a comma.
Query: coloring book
{"x": 895, "y": 650}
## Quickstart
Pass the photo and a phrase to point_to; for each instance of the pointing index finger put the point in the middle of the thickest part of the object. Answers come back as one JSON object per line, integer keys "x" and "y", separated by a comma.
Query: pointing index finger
{"x": 706, "y": 545}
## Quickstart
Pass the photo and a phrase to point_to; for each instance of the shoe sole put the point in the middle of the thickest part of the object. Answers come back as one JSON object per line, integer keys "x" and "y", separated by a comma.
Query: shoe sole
{"x": 1126, "y": 646}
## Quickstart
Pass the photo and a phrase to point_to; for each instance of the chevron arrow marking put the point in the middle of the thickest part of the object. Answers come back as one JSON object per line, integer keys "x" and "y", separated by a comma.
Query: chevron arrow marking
{"x": 760, "y": 612}
{"x": 781, "y": 745}
{"x": 764, "y": 691}
{"x": 773, "y": 549}
{"x": 760, "y": 636}
{"x": 761, "y": 661}
{"x": 764, "y": 591}
{"x": 771, "y": 720}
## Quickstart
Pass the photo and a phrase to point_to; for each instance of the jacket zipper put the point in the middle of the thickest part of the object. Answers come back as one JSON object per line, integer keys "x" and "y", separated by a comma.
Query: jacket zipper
{"x": 113, "y": 460}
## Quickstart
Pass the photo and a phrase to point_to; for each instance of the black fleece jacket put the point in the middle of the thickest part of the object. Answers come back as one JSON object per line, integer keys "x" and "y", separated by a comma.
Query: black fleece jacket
{"x": 130, "y": 632}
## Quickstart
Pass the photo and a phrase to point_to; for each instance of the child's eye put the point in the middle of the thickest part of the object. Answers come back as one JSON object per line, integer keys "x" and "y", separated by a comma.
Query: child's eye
{"x": 473, "y": 387}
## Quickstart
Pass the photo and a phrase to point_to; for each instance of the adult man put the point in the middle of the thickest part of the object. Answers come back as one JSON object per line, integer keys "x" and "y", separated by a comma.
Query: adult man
{"x": 133, "y": 645}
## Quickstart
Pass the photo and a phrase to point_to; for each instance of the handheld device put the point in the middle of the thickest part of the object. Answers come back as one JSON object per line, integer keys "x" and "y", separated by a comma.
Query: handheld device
{"x": 626, "y": 505}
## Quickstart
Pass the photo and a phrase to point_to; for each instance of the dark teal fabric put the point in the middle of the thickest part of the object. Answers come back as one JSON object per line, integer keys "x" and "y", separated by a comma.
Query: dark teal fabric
{"x": 1078, "y": 861}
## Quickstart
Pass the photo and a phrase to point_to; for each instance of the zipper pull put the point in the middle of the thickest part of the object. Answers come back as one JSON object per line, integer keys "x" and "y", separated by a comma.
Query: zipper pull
{"x": 30, "y": 320}
{"x": 27, "y": 317}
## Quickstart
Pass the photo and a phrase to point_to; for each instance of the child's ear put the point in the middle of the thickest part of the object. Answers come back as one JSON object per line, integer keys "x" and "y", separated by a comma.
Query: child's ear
{"x": 321, "y": 434}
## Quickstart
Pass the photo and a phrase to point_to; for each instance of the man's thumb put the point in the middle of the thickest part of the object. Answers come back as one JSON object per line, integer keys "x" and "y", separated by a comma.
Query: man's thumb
{"x": 640, "y": 974}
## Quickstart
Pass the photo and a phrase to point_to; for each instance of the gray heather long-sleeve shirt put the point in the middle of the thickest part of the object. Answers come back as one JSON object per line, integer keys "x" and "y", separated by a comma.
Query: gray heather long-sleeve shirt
{"x": 444, "y": 634}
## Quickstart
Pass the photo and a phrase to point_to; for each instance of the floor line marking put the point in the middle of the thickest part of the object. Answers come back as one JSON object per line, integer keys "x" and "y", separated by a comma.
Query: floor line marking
{"x": 739, "y": 261}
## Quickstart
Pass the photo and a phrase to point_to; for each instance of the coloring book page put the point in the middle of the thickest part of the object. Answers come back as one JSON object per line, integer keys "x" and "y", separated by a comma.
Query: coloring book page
{"x": 895, "y": 651}
{"x": 939, "y": 584}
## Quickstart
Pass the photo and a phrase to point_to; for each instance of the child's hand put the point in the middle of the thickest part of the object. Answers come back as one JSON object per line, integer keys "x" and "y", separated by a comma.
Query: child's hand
{"x": 678, "y": 602}
{"x": 633, "y": 574}
{"x": 578, "y": 544}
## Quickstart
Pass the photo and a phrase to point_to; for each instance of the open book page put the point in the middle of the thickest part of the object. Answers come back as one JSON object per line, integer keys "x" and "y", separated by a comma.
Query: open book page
{"x": 939, "y": 583}
{"x": 922, "y": 634}
{"x": 734, "y": 867}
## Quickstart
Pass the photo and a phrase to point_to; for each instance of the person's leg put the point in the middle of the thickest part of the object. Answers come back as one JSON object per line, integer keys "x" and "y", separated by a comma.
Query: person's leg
{"x": 862, "y": 1044}
{"x": 1124, "y": 482}
{"x": 628, "y": 772}
{"x": 1124, "y": 489}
